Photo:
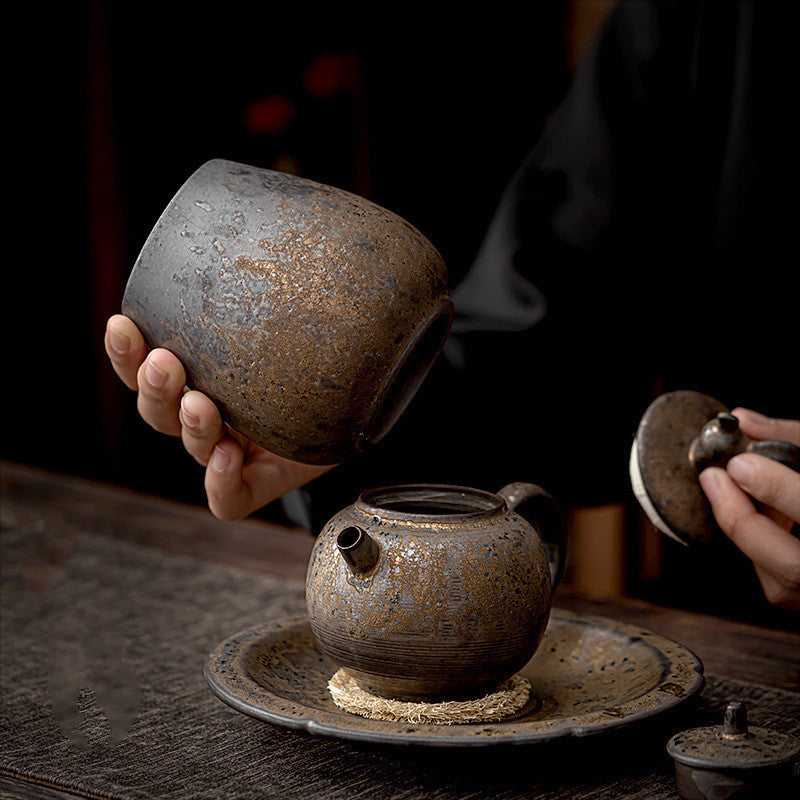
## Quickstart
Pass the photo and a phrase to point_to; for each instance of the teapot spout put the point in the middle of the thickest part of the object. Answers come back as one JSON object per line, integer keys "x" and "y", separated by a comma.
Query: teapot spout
{"x": 359, "y": 550}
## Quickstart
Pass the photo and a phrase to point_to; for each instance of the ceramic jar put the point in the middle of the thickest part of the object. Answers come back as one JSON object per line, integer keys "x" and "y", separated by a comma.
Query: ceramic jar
{"x": 308, "y": 314}
{"x": 429, "y": 591}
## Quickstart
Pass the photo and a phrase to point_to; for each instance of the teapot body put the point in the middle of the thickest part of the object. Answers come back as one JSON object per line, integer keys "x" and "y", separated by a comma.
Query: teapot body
{"x": 454, "y": 599}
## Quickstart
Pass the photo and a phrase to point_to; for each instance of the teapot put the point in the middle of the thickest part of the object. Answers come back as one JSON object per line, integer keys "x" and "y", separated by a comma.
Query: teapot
{"x": 430, "y": 591}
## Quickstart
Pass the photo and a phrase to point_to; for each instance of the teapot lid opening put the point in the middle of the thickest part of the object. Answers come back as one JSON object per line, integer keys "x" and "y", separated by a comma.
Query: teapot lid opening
{"x": 437, "y": 503}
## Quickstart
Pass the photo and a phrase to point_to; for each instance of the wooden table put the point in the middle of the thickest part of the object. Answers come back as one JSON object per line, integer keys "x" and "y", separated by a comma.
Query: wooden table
{"x": 154, "y": 585}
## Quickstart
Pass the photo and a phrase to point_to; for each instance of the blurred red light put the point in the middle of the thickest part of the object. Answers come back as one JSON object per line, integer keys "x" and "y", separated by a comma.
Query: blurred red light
{"x": 330, "y": 74}
{"x": 269, "y": 116}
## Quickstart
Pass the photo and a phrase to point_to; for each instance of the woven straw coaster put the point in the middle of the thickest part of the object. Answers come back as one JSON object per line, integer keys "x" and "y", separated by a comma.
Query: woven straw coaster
{"x": 509, "y": 697}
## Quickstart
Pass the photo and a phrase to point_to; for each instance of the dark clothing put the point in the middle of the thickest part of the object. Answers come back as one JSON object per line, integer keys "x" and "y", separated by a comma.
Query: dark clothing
{"x": 645, "y": 245}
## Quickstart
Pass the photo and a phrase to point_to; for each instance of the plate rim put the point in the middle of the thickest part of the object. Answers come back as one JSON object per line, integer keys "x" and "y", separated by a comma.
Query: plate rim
{"x": 309, "y": 722}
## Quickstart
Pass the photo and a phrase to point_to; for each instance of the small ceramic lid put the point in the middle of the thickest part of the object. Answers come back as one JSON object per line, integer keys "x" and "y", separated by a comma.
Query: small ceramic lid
{"x": 664, "y": 480}
{"x": 733, "y": 745}
{"x": 681, "y": 434}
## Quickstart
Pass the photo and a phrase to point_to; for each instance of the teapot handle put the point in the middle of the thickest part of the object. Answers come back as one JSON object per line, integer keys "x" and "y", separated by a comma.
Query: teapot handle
{"x": 540, "y": 509}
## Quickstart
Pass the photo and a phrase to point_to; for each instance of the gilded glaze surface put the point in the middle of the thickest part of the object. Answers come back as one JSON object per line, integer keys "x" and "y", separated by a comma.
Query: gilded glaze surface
{"x": 290, "y": 303}
{"x": 454, "y": 605}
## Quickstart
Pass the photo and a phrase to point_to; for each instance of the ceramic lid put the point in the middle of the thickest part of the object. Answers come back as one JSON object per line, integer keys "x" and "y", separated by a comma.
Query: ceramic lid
{"x": 681, "y": 434}
{"x": 733, "y": 745}
{"x": 663, "y": 478}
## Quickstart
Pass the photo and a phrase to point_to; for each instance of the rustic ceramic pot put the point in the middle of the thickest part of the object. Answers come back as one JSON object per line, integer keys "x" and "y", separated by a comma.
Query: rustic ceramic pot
{"x": 429, "y": 591}
{"x": 308, "y": 314}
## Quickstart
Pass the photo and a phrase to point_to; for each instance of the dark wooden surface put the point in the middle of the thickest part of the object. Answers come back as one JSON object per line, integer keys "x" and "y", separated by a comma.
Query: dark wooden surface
{"x": 61, "y": 509}
{"x": 63, "y": 505}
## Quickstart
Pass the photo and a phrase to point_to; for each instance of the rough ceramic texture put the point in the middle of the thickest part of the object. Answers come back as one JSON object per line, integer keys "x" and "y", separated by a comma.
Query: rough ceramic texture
{"x": 708, "y": 748}
{"x": 293, "y": 305}
{"x": 733, "y": 759}
{"x": 456, "y": 603}
{"x": 590, "y": 675}
{"x": 681, "y": 434}
{"x": 732, "y": 747}
{"x": 661, "y": 449}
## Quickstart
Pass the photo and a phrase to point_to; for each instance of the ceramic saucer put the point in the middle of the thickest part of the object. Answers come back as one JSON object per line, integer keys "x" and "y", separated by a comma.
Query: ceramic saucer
{"x": 589, "y": 675}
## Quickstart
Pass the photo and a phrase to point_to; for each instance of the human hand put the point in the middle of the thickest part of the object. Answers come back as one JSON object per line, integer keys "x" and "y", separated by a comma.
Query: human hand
{"x": 763, "y": 536}
{"x": 240, "y": 476}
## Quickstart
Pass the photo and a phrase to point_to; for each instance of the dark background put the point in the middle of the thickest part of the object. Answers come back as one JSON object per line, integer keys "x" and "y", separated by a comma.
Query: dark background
{"x": 112, "y": 106}
{"x": 429, "y": 121}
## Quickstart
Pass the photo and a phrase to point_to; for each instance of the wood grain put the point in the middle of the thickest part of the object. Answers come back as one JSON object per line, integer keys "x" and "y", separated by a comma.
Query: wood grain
{"x": 63, "y": 504}
{"x": 166, "y": 612}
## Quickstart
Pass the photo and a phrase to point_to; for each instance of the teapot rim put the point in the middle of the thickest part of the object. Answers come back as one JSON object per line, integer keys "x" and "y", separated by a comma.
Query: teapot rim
{"x": 386, "y": 502}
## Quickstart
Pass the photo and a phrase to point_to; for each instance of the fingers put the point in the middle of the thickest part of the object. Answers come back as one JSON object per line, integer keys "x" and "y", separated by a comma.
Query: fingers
{"x": 161, "y": 379}
{"x": 201, "y": 426}
{"x": 230, "y": 496}
{"x": 772, "y": 483}
{"x": 240, "y": 478}
{"x": 757, "y": 426}
{"x": 125, "y": 347}
{"x": 236, "y": 486}
{"x": 777, "y": 593}
{"x": 772, "y": 549}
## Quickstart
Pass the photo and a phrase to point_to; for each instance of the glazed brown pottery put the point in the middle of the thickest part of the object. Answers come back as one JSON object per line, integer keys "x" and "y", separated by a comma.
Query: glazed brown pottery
{"x": 308, "y": 314}
{"x": 432, "y": 591}
{"x": 733, "y": 760}
{"x": 590, "y": 675}
{"x": 681, "y": 434}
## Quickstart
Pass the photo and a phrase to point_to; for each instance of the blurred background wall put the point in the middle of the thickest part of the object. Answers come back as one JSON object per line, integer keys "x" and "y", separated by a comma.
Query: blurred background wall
{"x": 119, "y": 104}
{"x": 113, "y": 105}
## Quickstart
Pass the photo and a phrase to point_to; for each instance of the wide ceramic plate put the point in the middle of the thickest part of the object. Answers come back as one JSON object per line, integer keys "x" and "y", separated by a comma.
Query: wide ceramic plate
{"x": 589, "y": 675}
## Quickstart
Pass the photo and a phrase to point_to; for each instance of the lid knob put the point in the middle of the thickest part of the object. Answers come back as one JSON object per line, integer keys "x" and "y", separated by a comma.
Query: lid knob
{"x": 728, "y": 422}
{"x": 735, "y": 722}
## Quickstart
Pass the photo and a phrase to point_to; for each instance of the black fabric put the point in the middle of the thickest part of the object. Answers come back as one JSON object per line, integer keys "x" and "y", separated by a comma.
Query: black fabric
{"x": 646, "y": 244}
